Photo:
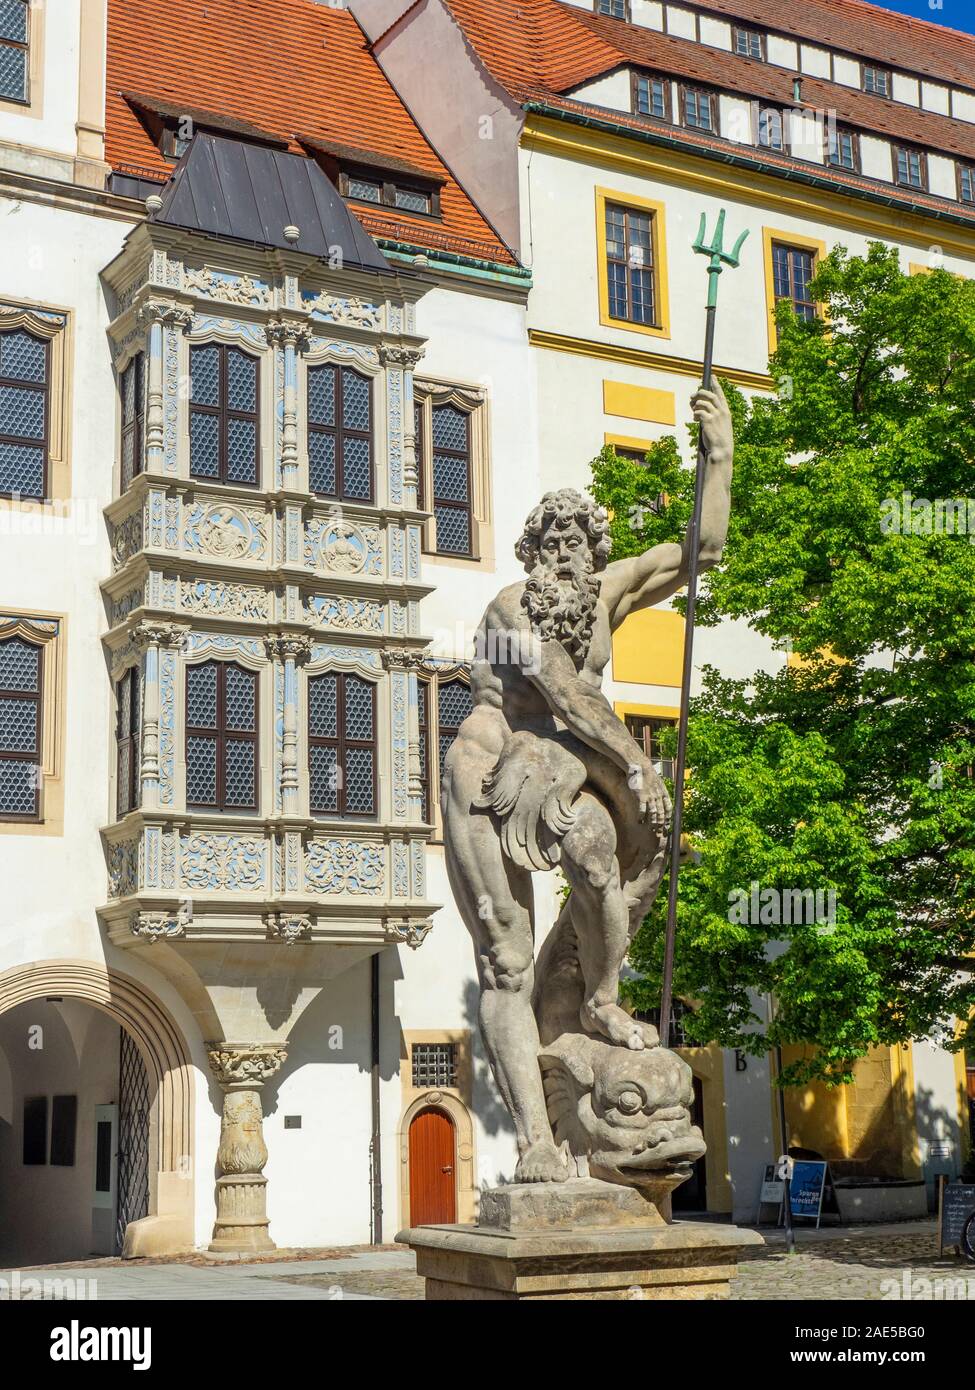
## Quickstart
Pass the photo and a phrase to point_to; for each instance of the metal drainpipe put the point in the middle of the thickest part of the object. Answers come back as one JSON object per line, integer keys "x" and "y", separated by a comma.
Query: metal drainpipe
{"x": 375, "y": 1146}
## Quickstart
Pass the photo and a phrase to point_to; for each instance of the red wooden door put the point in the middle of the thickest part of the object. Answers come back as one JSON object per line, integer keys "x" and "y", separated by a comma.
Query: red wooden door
{"x": 432, "y": 1181}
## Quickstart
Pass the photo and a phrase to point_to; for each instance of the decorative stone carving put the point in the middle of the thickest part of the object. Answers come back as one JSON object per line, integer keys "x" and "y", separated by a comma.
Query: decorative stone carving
{"x": 161, "y": 311}
{"x": 226, "y": 532}
{"x": 160, "y": 926}
{"x": 411, "y": 932}
{"x": 344, "y": 866}
{"x": 157, "y": 634}
{"x": 293, "y": 646}
{"x": 521, "y": 795}
{"x": 123, "y": 868}
{"x": 400, "y": 355}
{"x": 349, "y": 614}
{"x": 343, "y": 547}
{"x": 352, "y": 311}
{"x": 210, "y": 860}
{"x": 288, "y": 927}
{"x": 217, "y": 598}
{"x": 249, "y": 1064}
{"x": 293, "y": 333}
{"x": 126, "y": 539}
{"x": 232, "y": 289}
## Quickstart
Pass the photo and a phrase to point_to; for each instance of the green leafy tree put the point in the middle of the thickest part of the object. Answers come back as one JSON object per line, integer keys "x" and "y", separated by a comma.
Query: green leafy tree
{"x": 851, "y": 769}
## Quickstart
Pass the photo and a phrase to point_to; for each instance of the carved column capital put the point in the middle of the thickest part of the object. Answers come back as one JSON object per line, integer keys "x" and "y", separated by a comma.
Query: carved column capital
{"x": 163, "y": 311}
{"x": 157, "y": 634}
{"x": 245, "y": 1065}
{"x": 399, "y": 355}
{"x": 401, "y": 659}
{"x": 159, "y": 926}
{"x": 295, "y": 646}
{"x": 293, "y": 333}
{"x": 411, "y": 931}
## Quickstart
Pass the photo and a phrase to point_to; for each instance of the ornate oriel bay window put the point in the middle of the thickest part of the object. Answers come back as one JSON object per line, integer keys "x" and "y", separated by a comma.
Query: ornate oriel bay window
{"x": 263, "y": 609}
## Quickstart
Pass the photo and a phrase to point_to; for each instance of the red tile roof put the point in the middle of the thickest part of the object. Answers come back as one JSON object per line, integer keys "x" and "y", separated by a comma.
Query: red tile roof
{"x": 543, "y": 49}
{"x": 287, "y": 67}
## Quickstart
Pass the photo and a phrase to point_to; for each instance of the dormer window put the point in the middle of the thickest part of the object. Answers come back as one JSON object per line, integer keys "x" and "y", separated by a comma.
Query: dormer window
{"x": 966, "y": 183}
{"x": 843, "y": 149}
{"x": 910, "y": 167}
{"x": 770, "y": 128}
{"x": 615, "y": 9}
{"x": 699, "y": 109}
{"x": 876, "y": 81}
{"x": 171, "y": 126}
{"x": 651, "y": 96}
{"x": 749, "y": 43}
{"x": 383, "y": 180}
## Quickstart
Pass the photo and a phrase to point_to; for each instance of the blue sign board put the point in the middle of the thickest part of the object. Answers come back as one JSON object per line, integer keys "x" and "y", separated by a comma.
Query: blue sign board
{"x": 808, "y": 1181}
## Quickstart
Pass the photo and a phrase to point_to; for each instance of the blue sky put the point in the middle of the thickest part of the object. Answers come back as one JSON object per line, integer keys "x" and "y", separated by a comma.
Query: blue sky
{"x": 956, "y": 14}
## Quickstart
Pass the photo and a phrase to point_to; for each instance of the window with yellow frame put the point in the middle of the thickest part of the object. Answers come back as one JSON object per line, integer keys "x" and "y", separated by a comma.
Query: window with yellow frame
{"x": 791, "y": 261}
{"x": 631, "y": 241}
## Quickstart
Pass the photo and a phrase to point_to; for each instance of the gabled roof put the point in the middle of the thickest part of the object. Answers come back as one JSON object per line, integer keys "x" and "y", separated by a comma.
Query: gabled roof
{"x": 249, "y": 193}
{"x": 282, "y": 67}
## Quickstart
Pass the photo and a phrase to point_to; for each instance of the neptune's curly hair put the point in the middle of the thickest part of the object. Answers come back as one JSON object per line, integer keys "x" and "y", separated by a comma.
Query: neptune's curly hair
{"x": 563, "y": 508}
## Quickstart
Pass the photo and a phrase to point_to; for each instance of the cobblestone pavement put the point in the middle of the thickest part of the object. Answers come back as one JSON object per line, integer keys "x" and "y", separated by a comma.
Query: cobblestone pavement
{"x": 856, "y": 1264}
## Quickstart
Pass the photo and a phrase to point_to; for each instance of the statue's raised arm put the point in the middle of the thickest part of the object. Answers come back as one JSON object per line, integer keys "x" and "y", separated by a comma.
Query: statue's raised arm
{"x": 644, "y": 580}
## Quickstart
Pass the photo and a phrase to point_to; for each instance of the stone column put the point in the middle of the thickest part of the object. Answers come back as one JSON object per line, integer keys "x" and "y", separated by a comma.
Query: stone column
{"x": 149, "y": 638}
{"x": 242, "y": 1069}
{"x": 291, "y": 337}
{"x": 155, "y": 315}
{"x": 291, "y": 648}
{"x": 399, "y": 360}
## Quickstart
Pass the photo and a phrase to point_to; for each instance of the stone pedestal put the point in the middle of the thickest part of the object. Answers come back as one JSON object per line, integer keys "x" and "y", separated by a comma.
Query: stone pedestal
{"x": 577, "y": 1240}
{"x": 242, "y": 1222}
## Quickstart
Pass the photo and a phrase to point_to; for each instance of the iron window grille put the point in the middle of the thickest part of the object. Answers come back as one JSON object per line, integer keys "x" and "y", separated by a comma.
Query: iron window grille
{"x": 876, "y": 81}
{"x": 224, "y": 423}
{"x": 14, "y": 50}
{"x": 25, "y": 362}
{"x": 128, "y": 710}
{"x": 843, "y": 149}
{"x": 793, "y": 267}
{"x": 699, "y": 109}
{"x": 650, "y": 96}
{"x": 646, "y": 731}
{"x": 133, "y": 415}
{"x": 630, "y": 264}
{"x": 911, "y": 167}
{"x": 749, "y": 43}
{"x": 454, "y": 704}
{"x": 434, "y": 1065}
{"x": 21, "y": 670}
{"x": 342, "y": 746}
{"x": 221, "y": 737}
{"x": 340, "y": 446}
{"x": 678, "y": 1013}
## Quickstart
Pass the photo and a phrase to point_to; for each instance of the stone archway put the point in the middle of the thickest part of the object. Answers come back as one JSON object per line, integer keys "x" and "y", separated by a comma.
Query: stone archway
{"x": 460, "y": 1117}
{"x": 170, "y": 1225}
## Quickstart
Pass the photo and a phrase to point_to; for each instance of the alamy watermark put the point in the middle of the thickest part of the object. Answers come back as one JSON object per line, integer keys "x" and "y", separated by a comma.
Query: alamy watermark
{"x": 782, "y": 907}
{"x": 908, "y": 515}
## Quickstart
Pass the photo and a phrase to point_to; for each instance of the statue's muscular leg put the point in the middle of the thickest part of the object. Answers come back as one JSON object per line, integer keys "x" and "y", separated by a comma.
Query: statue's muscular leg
{"x": 495, "y": 899}
{"x": 601, "y": 919}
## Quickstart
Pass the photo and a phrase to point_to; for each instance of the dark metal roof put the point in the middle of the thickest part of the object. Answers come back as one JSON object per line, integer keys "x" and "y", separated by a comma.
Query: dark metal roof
{"x": 247, "y": 192}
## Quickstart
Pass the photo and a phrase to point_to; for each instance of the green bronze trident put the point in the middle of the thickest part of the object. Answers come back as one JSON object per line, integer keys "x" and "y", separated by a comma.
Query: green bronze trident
{"x": 718, "y": 258}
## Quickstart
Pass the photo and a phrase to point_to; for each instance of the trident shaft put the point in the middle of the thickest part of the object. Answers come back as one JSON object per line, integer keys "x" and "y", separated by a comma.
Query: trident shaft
{"x": 718, "y": 258}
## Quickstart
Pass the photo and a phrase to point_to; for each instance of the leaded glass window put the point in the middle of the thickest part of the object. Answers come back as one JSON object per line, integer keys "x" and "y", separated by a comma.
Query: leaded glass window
{"x": 224, "y": 427}
{"x": 221, "y": 737}
{"x": 128, "y": 711}
{"x": 629, "y": 264}
{"x": 21, "y": 665}
{"x": 454, "y": 704}
{"x": 451, "y": 431}
{"x": 340, "y": 433}
{"x": 24, "y": 413}
{"x": 793, "y": 267}
{"x": 133, "y": 413}
{"x": 14, "y": 50}
{"x": 411, "y": 200}
{"x": 650, "y": 96}
{"x": 342, "y": 745}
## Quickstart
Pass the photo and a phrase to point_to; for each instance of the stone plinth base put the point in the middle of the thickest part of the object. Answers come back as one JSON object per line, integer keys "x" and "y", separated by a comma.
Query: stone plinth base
{"x": 242, "y": 1222}
{"x": 555, "y": 1242}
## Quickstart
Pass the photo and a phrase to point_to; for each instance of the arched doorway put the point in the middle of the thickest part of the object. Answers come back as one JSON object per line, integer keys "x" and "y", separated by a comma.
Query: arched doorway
{"x": 433, "y": 1163}
{"x": 96, "y": 1138}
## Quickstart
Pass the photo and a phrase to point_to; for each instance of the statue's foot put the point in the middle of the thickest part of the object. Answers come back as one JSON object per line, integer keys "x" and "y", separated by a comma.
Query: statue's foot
{"x": 618, "y": 1026}
{"x": 541, "y": 1163}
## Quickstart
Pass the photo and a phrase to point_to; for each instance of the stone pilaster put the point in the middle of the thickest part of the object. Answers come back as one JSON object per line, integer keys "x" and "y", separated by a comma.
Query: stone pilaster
{"x": 149, "y": 638}
{"x": 291, "y": 337}
{"x": 291, "y": 648}
{"x": 242, "y": 1069}
{"x": 155, "y": 315}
